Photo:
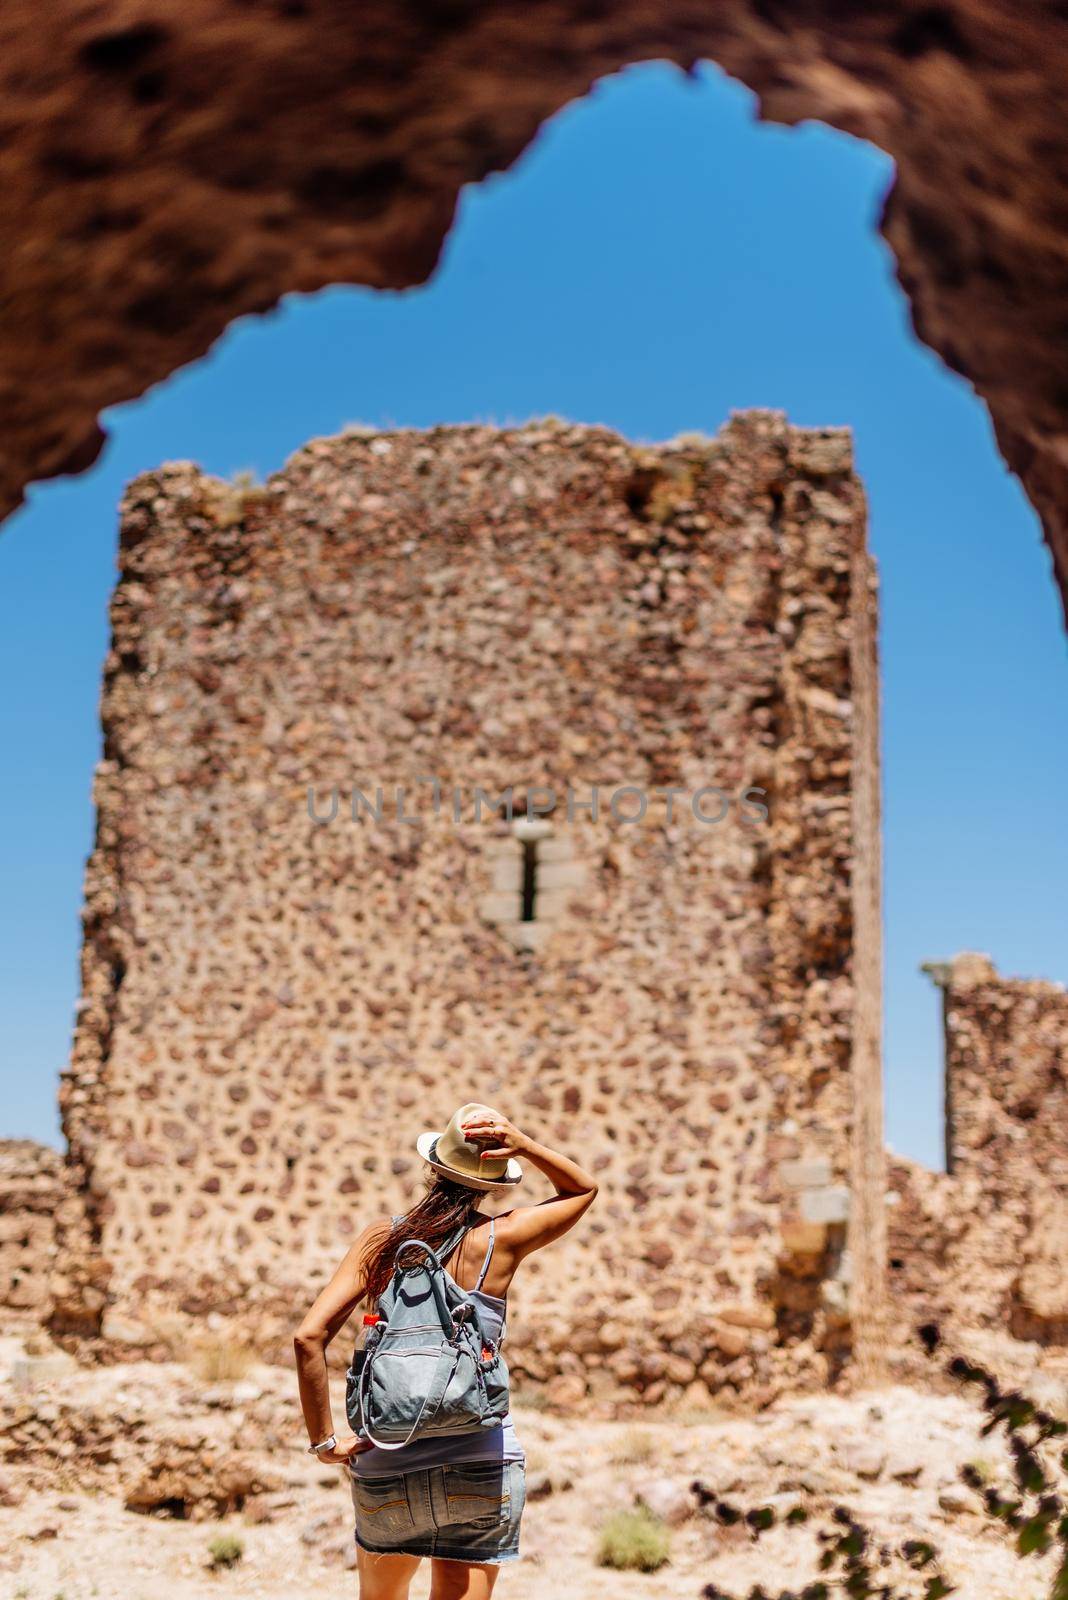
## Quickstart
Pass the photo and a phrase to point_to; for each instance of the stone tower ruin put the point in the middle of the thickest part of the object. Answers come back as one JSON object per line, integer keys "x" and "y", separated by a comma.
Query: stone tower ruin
{"x": 290, "y": 969}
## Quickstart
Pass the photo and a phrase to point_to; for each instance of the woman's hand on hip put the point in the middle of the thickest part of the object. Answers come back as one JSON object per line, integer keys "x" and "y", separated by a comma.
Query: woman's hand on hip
{"x": 347, "y": 1445}
{"x": 497, "y": 1135}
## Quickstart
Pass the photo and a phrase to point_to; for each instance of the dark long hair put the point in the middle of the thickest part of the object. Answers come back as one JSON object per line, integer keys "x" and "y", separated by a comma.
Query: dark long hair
{"x": 442, "y": 1211}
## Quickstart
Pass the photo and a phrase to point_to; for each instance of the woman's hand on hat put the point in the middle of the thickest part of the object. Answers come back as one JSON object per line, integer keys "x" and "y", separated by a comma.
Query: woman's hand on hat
{"x": 500, "y": 1137}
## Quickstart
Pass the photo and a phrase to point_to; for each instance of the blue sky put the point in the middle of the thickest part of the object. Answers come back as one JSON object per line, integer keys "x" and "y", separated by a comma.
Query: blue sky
{"x": 657, "y": 259}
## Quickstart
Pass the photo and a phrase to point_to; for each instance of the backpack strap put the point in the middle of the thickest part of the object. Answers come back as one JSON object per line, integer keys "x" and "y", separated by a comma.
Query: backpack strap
{"x": 445, "y": 1250}
{"x": 451, "y": 1244}
{"x": 441, "y": 1254}
{"x": 489, "y": 1255}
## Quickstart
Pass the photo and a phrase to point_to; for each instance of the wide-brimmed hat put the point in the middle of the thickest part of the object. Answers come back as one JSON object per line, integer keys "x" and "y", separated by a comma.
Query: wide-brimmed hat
{"x": 453, "y": 1155}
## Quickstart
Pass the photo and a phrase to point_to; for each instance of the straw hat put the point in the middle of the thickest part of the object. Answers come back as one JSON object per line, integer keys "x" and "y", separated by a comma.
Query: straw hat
{"x": 456, "y": 1157}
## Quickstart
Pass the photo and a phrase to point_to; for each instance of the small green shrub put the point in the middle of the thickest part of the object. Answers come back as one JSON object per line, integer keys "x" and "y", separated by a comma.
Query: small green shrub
{"x": 634, "y": 1541}
{"x": 226, "y": 1550}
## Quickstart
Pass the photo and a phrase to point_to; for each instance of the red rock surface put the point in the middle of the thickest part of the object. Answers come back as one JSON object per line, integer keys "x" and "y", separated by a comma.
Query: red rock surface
{"x": 165, "y": 170}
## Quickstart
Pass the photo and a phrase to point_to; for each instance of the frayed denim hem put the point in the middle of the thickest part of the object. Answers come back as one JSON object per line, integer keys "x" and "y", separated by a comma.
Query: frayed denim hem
{"x": 471, "y": 1560}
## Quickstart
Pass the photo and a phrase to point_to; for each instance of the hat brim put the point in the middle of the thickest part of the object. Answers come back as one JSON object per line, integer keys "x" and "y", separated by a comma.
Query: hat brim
{"x": 425, "y": 1145}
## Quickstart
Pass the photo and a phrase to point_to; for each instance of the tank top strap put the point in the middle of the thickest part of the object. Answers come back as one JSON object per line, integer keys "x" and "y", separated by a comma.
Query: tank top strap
{"x": 489, "y": 1255}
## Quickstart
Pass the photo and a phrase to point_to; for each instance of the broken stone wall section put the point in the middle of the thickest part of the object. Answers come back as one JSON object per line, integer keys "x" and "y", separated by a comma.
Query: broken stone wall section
{"x": 985, "y": 1242}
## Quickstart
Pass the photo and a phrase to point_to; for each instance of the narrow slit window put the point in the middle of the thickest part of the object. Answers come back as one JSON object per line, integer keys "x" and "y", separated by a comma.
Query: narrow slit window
{"x": 529, "y": 888}
{"x": 532, "y": 876}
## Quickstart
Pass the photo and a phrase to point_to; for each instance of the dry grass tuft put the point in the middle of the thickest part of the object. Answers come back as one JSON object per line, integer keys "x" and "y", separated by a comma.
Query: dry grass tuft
{"x": 636, "y": 1447}
{"x": 217, "y": 1360}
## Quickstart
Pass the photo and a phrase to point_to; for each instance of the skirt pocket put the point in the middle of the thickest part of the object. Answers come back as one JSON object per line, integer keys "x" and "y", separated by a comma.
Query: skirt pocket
{"x": 381, "y": 1506}
{"x": 478, "y": 1493}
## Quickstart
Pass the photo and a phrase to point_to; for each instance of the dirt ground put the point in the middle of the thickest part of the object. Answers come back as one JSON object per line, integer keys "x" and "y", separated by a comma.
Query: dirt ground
{"x": 891, "y": 1455}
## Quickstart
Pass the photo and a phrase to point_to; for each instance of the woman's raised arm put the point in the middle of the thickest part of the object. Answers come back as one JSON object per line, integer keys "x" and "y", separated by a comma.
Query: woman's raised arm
{"x": 531, "y": 1227}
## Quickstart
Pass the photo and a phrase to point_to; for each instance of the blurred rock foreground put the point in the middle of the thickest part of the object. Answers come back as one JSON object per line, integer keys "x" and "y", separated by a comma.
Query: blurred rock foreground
{"x": 113, "y": 1482}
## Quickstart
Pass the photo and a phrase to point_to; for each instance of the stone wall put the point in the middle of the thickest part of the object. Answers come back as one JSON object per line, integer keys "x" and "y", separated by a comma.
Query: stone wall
{"x": 51, "y": 1269}
{"x": 985, "y": 1243}
{"x": 31, "y": 1190}
{"x": 274, "y": 1006}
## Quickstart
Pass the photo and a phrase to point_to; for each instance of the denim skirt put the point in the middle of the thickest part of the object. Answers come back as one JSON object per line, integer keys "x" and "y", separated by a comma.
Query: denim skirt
{"x": 466, "y": 1512}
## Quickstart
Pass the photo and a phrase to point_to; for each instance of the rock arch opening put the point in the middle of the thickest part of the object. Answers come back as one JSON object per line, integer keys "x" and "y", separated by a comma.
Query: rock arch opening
{"x": 221, "y": 216}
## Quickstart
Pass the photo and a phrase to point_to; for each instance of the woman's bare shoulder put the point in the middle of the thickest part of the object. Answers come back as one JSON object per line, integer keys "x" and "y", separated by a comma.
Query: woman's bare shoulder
{"x": 377, "y": 1230}
{"x": 370, "y": 1237}
{"x": 504, "y": 1222}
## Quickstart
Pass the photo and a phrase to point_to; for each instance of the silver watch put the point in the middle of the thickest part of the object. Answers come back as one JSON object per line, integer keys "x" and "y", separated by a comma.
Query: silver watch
{"x": 324, "y": 1444}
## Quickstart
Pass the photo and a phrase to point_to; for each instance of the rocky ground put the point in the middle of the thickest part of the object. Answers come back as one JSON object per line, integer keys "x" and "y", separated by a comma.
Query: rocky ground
{"x": 114, "y": 1481}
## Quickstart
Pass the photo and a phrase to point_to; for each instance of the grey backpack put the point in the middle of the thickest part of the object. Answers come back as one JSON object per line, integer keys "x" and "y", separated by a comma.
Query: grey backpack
{"x": 428, "y": 1369}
